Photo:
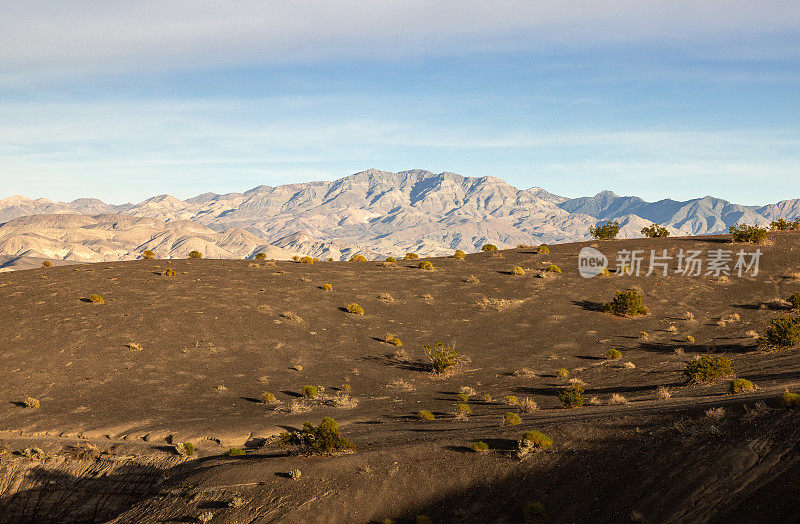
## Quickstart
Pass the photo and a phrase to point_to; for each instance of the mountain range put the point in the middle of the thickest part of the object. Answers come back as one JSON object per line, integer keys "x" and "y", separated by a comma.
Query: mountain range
{"x": 374, "y": 213}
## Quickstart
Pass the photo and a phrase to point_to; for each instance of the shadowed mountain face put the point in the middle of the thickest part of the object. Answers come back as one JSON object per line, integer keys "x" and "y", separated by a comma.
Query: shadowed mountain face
{"x": 375, "y": 213}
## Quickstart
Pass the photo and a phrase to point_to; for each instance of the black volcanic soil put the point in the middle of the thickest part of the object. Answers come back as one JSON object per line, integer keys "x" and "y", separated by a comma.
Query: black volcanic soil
{"x": 186, "y": 358}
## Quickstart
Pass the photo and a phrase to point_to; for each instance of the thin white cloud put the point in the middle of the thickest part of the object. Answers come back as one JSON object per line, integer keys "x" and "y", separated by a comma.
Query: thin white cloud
{"x": 46, "y": 38}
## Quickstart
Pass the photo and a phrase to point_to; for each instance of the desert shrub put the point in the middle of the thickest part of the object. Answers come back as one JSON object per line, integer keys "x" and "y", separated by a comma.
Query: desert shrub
{"x": 306, "y": 260}
{"x": 96, "y": 299}
{"x": 261, "y": 256}
{"x": 47, "y": 263}
{"x": 516, "y": 270}
{"x": 425, "y": 264}
{"x": 205, "y": 516}
{"x": 462, "y": 411}
{"x": 690, "y": 339}
{"x": 310, "y": 391}
{"x": 528, "y": 405}
{"x": 195, "y": 254}
{"x": 537, "y": 439}
{"x": 626, "y": 303}
{"x": 613, "y": 354}
{"x": 295, "y": 474}
{"x": 511, "y": 400}
{"x": 186, "y": 448}
{"x": 443, "y": 357}
{"x": 617, "y": 398}
{"x": 488, "y": 247}
{"x": 463, "y": 397}
{"x": 148, "y": 254}
{"x": 355, "y": 309}
{"x": 571, "y": 396}
{"x": 31, "y": 403}
{"x": 486, "y": 397}
{"x": 324, "y": 438}
{"x": 785, "y": 225}
{"x": 169, "y": 272}
{"x": 326, "y": 287}
{"x": 268, "y": 398}
{"x": 745, "y": 233}
{"x": 533, "y": 511}
{"x": 663, "y": 393}
{"x": 511, "y": 419}
{"x": 552, "y": 268}
{"x": 782, "y": 332}
{"x": 411, "y": 256}
{"x": 459, "y": 255}
{"x": 543, "y": 250}
{"x": 425, "y": 415}
{"x": 472, "y": 279}
{"x": 391, "y": 260}
{"x": 391, "y": 339}
{"x": 237, "y": 502}
{"x": 562, "y": 373}
{"x": 740, "y": 385}
{"x": 296, "y": 258}
{"x": 655, "y": 231}
{"x": 358, "y": 258}
{"x": 480, "y": 446}
{"x": 790, "y": 400}
{"x": 708, "y": 368}
{"x": 608, "y": 231}
{"x": 235, "y": 452}
{"x": 794, "y": 300}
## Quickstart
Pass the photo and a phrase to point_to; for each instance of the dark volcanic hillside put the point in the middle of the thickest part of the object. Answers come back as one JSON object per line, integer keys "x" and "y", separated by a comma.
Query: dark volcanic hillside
{"x": 186, "y": 358}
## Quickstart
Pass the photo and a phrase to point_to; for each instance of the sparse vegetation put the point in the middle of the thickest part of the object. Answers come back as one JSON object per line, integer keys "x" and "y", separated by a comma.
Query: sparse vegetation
{"x": 608, "y": 231}
{"x": 528, "y": 405}
{"x": 626, "y": 303}
{"x": 31, "y": 403}
{"x": 459, "y": 255}
{"x": 655, "y": 231}
{"x": 709, "y": 368}
{"x": 324, "y": 438}
{"x": 562, "y": 373}
{"x": 326, "y": 287}
{"x": 425, "y": 264}
{"x": 516, "y": 270}
{"x": 571, "y": 396}
{"x": 543, "y": 250}
{"x": 268, "y": 398}
{"x": 472, "y": 279}
{"x": 511, "y": 419}
{"x": 511, "y": 400}
{"x": 489, "y": 247}
{"x": 185, "y": 449}
{"x": 235, "y": 452}
{"x": 260, "y": 256}
{"x": 148, "y": 254}
{"x": 205, "y": 517}
{"x": 389, "y": 338}
{"x": 480, "y": 447}
{"x": 617, "y": 399}
{"x": 790, "y": 400}
{"x": 552, "y": 268}
{"x": 663, "y": 393}
{"x": 537, "y": 439}
{"x": 443, "y": 358}
{"x": 782, "y": 332}
{"x": 794, "y": 300}
{"x": 462, "y": 411}
{"x": 292, "y": 316}
{"x": 310, "y": 391}
{"x": 749, "y": 234}
{"x": 95, "y": 299}
{"x": 613, "y": 354}
{"x": 740, "y": 385}
{"x": 411, "y": 256}
{"x": 358, "y": 258}
{"x": 425, "y": 415}
{"x": 195, "y": 254}
{"x": 463, "y": 397}
{"x": 295, "y": 474}
{"x": 355, "y": 309}
{"x": 169, "y": 272}
{"x": 391, "y": 260}
{"x": 785, "y": 225}
{"x": 306, "y": 260}
{"x": 47, "y": 263}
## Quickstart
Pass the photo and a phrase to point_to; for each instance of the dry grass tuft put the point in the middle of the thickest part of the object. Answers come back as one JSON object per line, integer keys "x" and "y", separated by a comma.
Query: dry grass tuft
{"x": 617, "y": 399}
{"x": 386, "y": 297}
{"x": 290, "y": 315}
{"x": 663, "y": 393}
{"x": 498, "y": 304}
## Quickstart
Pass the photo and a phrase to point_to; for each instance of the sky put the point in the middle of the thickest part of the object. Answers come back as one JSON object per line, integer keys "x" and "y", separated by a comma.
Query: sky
{"x": 659, "y": 99}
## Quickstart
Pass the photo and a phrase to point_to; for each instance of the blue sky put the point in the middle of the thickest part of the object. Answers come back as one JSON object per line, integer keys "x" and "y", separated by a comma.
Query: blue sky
{"x": 674, "y": 99}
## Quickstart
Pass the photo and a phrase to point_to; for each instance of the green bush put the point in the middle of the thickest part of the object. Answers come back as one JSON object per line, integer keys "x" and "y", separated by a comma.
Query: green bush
{"x": 358, "y": 258}
{"x": 511, "y": 400}
{"x": 562, "y": 373}
{"x": 480, "y": 446}
{"x": 306, "y": 260}
{"x": 31, "y": 403}
{"x": 460, "y": 255}
{"x": 148, "y": 254}
{"x": 795, "y": 301}
{"x": 169, "y": 272}
{"x": 195, "y": 254}
{"x": 235, "y": 452}
{"x": 511, "y": 419}
{"x": 655, "y": 231}
{"x": 571, "y": 396}
{"x": 745, "y": 233}
{"x": 443, "y": 357}
{"x": 324, "y": 438}
{"x": 261, "y": 256}
{"x": 188, "y": 447}
{"x": 740, "y": 385}
{"x": 538, "y": 439}
{"x": 790, "y": 400}
{"x": 516, "y": 270}
{"x": 543, "y": 250}
{"x": 785, "y": 225}
{"x": 552, "y": 268}
{"x": 391, "y": 260}
{"x": 426, "y": 415}
{"x": 626, "y": 303}
{"x": 389, "y": 338}
{"x": 613, "y": 354}
{"x": 268, "y": 398}
{"x": 463, "y": 397}
{"x": 425, "y": 264}
{"x": 310, "y": 391}
{"x": 326, "y": 287}
{"x": 489, "y": 247}
{"x": 411, "y": 256}
{"x": 355, "y": 309}
{"x": 609, "y": 231}
{"x": 534, "y": 511}
{"x": 782, "y": 332}
{"x": 708, "y": 368}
